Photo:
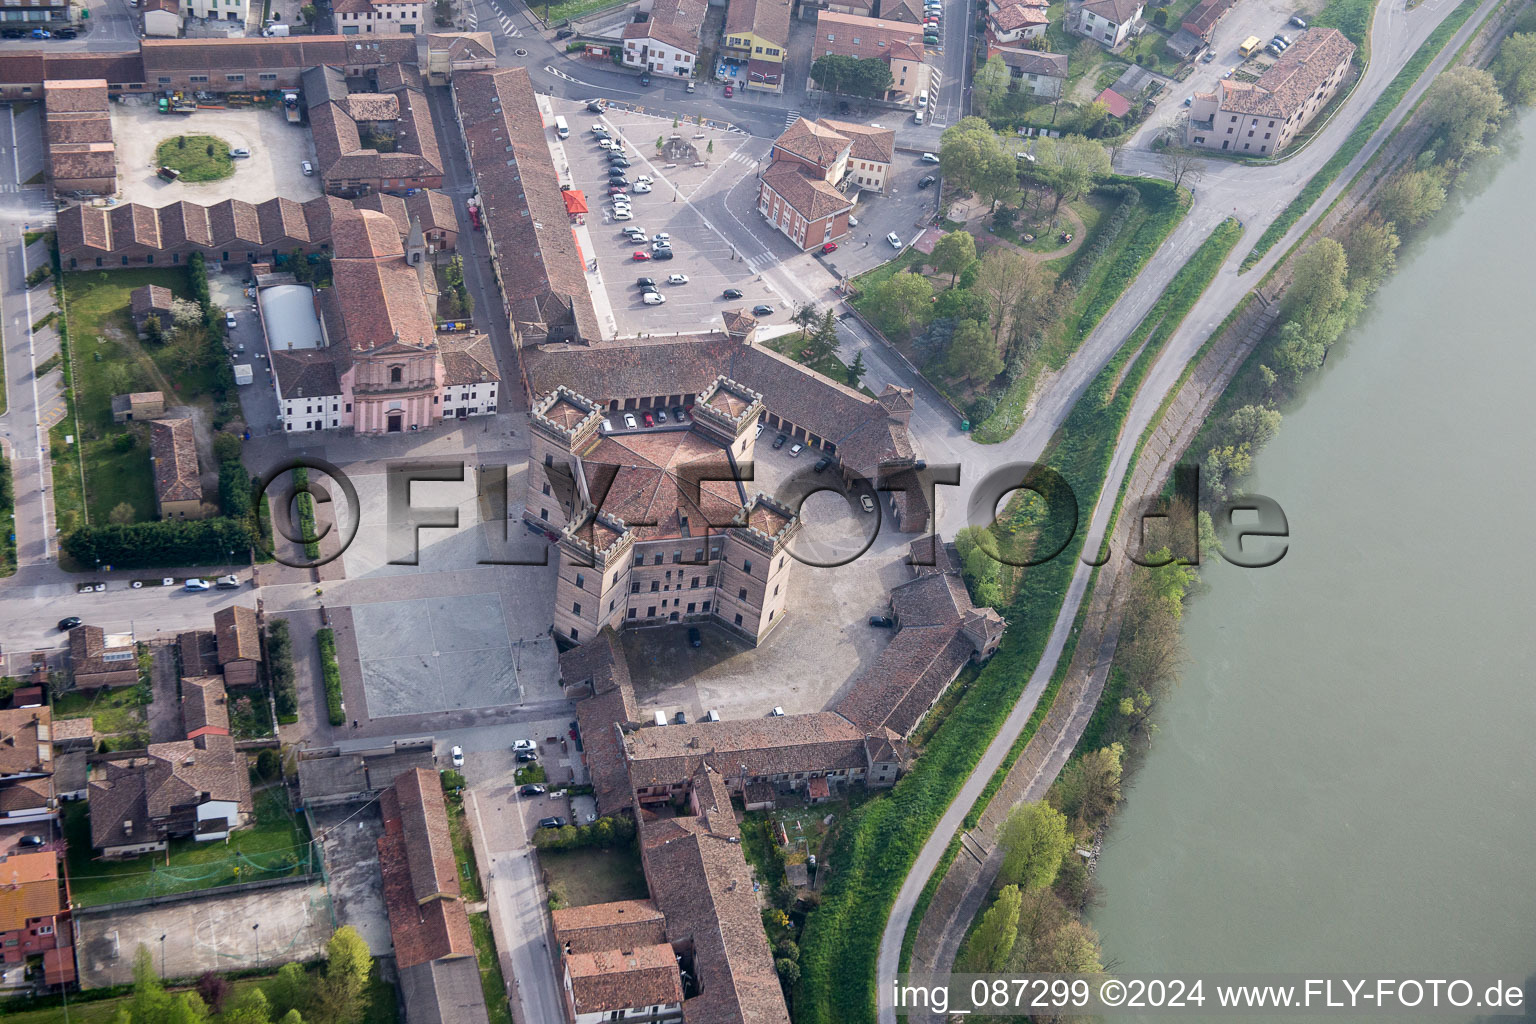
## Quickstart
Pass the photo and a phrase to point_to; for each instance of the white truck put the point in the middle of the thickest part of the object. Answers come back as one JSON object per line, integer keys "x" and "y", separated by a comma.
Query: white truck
{"x": 242, "y": 373}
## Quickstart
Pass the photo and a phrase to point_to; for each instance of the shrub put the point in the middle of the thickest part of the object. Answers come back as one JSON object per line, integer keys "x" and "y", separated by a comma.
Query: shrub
{"x": 160, "y": 543}
{"x": 269, "y": 763}
{"x": 280, "y": 669}
{"x": 331, "y": 672}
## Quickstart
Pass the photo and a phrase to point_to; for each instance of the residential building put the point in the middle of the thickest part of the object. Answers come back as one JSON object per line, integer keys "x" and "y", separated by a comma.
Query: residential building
{"x": 178, "y": 483}
{"x": 1110, "y": 23}
{"x": 757, "y": 36}
{"x": 380, "y": 17}
{"x": 161, "y": 19}
{"x": 450, "y": 53}
{"x": 653, "y": 542}
{"x": 98, "y": 658}
{"x": 870, "y": 154}
{"x": 470, "y": 379}
{"x": 198, "y": 788}
{"x": 140, "y": 405}
{"x": 899, "y": 44}
{"x": 815, "y": 167}
{"x": 204, "y": 707}
{"x": 909, "y": 11}
{"x": 237, "y": 645}
{"x": 640, "y": 983}
{"x": 26, "y": 766}
{"x": 233, "y": 231}
{"x": 434, "y": 952}
{"x": 1035, "y": 71}
{"x": 1010, "y": 22}
{"x": 82, "y": 158}
{"x": 150, "y": 300}
{"x": 217, "y": 10}
{"x": 1202, "y": 18}
{"x": 807, "y": 210}
{"x": 31, "y": 14}
{"x": 34, "y": 920}
{"x": 540, "y": 270}
{"x": 667, "y": 43}
{"x": 378, "y": 138}
{"x": 1261, "y": 118}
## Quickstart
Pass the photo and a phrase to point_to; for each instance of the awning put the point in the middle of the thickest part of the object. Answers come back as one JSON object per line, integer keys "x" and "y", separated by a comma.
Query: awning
{"x": 575, "y": 202}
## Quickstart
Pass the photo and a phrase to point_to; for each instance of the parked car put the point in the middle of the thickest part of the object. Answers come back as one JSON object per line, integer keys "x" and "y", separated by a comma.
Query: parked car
{"x": 681, "y": 718}
{"x": 622, "y": 213}
{"x": 641, "y": 186}
{"x": 64, "y": 33}
{"x": 929, "y": 158}
{"x": 867, "y": 503}
{"x": 894, "y": 239}
{"x": 654, "y": 298}
{"x": 598, "y": 129}
{"x": 308, "y": 168}
{"x": 728, "y": 91}
{"x": 1298, "y": 21}
{"x": 881, "y": 621}
{"x": 554, "y": 822}
{"x": 731, "y": 293}
{"x": 680, "y": 414}
{"x": 677, "y": 279}
{"x": 239, "y": 152}
{"x": 229, "y": 321}
{"x": 925, "y": 181}
{"x": 762, "y": 309}
{"x": 650, "y": 420}
{"x": 196, "y": 584}
{"x": 821, "y": 464}
{"x": 930, "y": 40}
{"x": 533, "y": 789}
{"x": 31, "y": 840}
{"x": 229, "y": 582}
{"x": 457, "y": 756}
{"x": 595, "y": 106}
{"x": 640, "y": 257}
{"x": 617, "y": 190}
{"x": 1210, "y": 55}
{"x": 664, "y": 254}
{"x": 645, "y": 282}
{"x": 645, "y": 78}
{"x": 795, "y": 450}
{"x": 661, "y": 415}
{"x": 629, "y": 421}
{"x": 690, "y": 86}
{"x": 658, "y": 243}
{"x": 645, "y": 179}
{"x": 68, "y": 622}
{"x": 41, "y": 33}
{"x": 524, "y": 756}
{"x": 607, "y": 427}
{"x": 524, "y": 745}
{"x": 778, "y": 442}
{"x": 776, "y": 713}
{"x": 828, "y": 248}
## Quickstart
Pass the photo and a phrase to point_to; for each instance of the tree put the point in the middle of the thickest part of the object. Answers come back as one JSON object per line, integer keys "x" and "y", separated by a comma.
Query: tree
{"x": 824, "y": 341}
{"x": 973, "y": 355}
{"x": 1004, "y": 279}
{"x": 153, "y": 332}
{"x": 1252, "y": 425}
{"x": 1514, "y": 69}
{"x": 1072, "y": 948}
{"x": 1412, "y": 198}
{"x": 187, "y": 350}
{"x": 1371, "y": 251}
{"x": 1180, "y": 165}
{"x": 1090, "y": 116}
{"x": 339, "y": 994}
{"x": 149, "y": 998}
{"x": 1298, "y": 352}
{"x": 185, "y": 313}
{"x": 1034, "y": 840}
{"x": 1090, "y": 786}
{"x": 806, "y": 315}
{"x": 1069, "y": 167}
{"x": 981, "y": 570}
{"x": 250, "y": 1008}
{"x": 1318, "y": 285}
{"x": 833, "y": 72}
{"x": 901, "y": 302}
{"x": 991, "y": 943}
{"x": 269, "y": 764}
{"x": 307, "y": 14}
{"x": 856, "y": 369}
{"x": 990, "y": 84}
{"x": 122, "y": 512}
{"x": 952, "y": 253}
{"x": 1462, "y": 106}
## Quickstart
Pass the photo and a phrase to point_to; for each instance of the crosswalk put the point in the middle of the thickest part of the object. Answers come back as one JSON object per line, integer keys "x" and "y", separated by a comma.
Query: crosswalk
{"x": 503, "y": 19}
{"x": 791, "y": 117}
{"x": 741, "y": 157}
{"x": 760, "y": 262}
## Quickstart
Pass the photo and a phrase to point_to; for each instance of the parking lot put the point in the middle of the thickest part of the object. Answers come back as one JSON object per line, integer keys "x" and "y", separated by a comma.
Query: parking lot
{"x": 825, "y": 641}
{"x": 700, "y": 252}
{"x": 490, "y": 767}
{"x": 277, "y": 149}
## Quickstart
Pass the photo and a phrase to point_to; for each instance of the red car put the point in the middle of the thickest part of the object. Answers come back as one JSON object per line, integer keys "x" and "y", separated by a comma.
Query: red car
{"x": 650, "y": 421}
{"x": 617, "y": 190}
{"x": 728, "y": 90}
{"x": 640, "y": 257}
{"x": 829, "y": 247}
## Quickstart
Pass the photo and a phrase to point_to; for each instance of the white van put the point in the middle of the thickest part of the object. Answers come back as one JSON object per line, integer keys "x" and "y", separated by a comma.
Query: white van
{"x": 659, "y": 718}
{"x": 922, "y": 98}
{"x": 918, "y": 117}
{"x": 561, "y": 128}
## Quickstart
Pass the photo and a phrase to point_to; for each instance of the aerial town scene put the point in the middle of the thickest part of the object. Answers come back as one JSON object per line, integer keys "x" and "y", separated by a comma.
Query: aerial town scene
{"x": 765, "y": 511}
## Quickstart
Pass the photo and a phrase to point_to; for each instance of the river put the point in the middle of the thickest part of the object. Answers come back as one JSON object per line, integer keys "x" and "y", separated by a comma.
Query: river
{"x": 1344, "y": 779}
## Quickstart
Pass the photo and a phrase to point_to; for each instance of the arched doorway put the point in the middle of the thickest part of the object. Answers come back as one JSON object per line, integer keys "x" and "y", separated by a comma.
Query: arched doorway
{"x": 394, "y": 423}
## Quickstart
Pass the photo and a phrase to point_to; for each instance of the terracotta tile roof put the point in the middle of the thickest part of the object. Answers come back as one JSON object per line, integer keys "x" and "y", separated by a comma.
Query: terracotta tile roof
{"x": 376, "y": 297}
{"x": 674, "y": 22}
{"x": 468, "y": 359}
{"x": 1205, "y": 15}
{"x": 624, "y": 924}
{"x": 738, "y": 322}
{"x": 204, "y": 706}
{"x": 1016, "y": 16}
{"x": 1120, "y": 12}
{"x": 537, "y": 257}
{"x": 148, "y": 299}
{"x": 768, "y": 746}
{"x": 78, "y": 128}
{"x": 306, "y": 373}
{"x": 443, "y": 992}
{"x": 80, "y": 94}
{"x": 156, "y": 790}
{"x": 815, "y": 141}
{"x": 118, "y": 805}
{"x": 647, "y": 476}
{"x": 76, "y": 160}
{"x": 1296, "y": 75}
{"x": 610, "y": 979}
{"x": 88, "y": 654}
{"x": 434, "y": 926}
{"x": 869, "y": 143}
{"x": 462, "y": 45}
{"x": 340, "y": 153}
{"x": 173, "y": 445}
{"x": 1117, "y": 105}
{"x": 238, "y": 637}
{"x": 372, "y": 106}
{"x": 66, "y": 729}
{"x": 29, "y": 889}
{"x": 161, "y": 56}
{"x": 835, "y": 33}
{"x": 25, "y": 795}
{"x": 902, "y": 10}
{"x": 767, "y": 20}
{"x": 161, "y": 5}
{"x": 812, "y": 198}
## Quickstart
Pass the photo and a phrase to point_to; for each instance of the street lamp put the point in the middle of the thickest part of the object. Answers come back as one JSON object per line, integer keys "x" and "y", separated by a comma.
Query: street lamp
{"x": 257, "y": 929}
{"x": 162, "y": 956}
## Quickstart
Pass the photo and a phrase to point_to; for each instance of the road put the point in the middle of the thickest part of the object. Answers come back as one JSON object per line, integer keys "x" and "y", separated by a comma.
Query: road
{"x": 1395, "y": 36}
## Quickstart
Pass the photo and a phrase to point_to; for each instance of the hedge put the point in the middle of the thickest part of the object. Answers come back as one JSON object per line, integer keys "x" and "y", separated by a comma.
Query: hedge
{"x": 167, "y": 542}
{"x": 1357, "y": 139}
{"x": 280, "y": 671}
{"x": 326, "y": 637}
{"x": 879, "y": 841}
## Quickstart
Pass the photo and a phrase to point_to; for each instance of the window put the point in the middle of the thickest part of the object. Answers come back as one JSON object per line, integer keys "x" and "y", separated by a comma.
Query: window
{"x": 544, "y": 514}
{"x": 690, "y": 607}
{"x": 694, "y": 584}
{"x": 576, "y": 608}
{"x": 655, "y": 586}
{"x": 197, "y": 78}
{"x": 546, "y": 488}
{"x": 770, "y": 619}
{"x": 549, "y": 460}
{"x": 677, "y": 556}
{"x": 165, "y": 79}
{"x": 581, "y": 580}
{"x": 650, "y": 612}
{"x": 396, "y": 374}
{"x": 738, "y": 620}
{"x": 632, "y": 613}
{"x": 267, "y": 76}
{"x": 741, "y": 595}
{"x": 775, "y": 590}
{"x": 705, "y": 606}
{"x": 657, "y": 559}
{"x": 746, "y": 567}
{"x": 575, "y": 633}
{"x": 234, "y": 78}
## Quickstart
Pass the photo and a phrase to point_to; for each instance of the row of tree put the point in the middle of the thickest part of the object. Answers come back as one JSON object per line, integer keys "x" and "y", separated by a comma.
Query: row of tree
{"x": 852, "y": 76}
{"x": 602, "y": 833}
{"x": 974, "y": 158}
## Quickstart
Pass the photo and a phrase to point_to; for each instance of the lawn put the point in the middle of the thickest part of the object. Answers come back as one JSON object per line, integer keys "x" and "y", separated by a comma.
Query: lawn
{"x": 793, "y": 346}
{"x": 197, "y": 157}
{"x": 463, "y": 849}
{"x": 111, "y": 710}
{"x": 492, "y": 985}
{"x": 250, "y": 716}
{"x": 7, "y": 510}
{"x": 107, "y": 359}
{"x": 555, "y": 13}
{"x": 277, "y": 845}
{"x": 585, "y": 877}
